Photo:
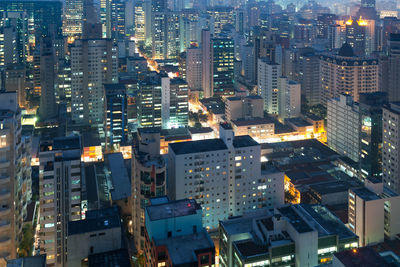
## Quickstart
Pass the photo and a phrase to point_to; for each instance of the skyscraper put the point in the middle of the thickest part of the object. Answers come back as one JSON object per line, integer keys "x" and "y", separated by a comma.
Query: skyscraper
{"x": 73, "y": 18}
{"x": 206, "y": 78}
{"x": 392, "y": 77}
{"x": 148, "y": 179}
{"x": 289, "y": 98}
{"x": 94, "y": 62}
{"x": 194, "y": 68}
{"x": 59, "y": 194}
{"x": 174, "y": 103}
{"x": 48, "y": 107}
{"x": 390, "y": 149}
{"x": 149, "y": 101}
{"x": 223, "y": 57}
{"x": 15, "y": 176}
{"x": 268, "y": 75}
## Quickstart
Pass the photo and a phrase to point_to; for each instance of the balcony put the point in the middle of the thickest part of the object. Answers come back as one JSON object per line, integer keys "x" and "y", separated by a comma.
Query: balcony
{"x": 5, "y": 225}
{"x": 4, "y": 164}
{"x": 4, "y": 179}
{"x": 5, "y": 241}
{"x": 4, "y": 211}
{"x": 4, "y": 194}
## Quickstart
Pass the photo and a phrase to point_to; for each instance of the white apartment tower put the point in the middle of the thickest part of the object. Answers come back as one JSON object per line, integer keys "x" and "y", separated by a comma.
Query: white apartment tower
{"x": 289, "y": 98}
{"x": 59, "y": 194}
{"x": 390, "y": 146}
{"x": 343, "y": 126}
{"x": 15, "y": 176}
{"x": 194, "y": 68}
{"x": 267, "y": 81}
{"x": 94, "y": 62}
{"x": 223, "y": 175}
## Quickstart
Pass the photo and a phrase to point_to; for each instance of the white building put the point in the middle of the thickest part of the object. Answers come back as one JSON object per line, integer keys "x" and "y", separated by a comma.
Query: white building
{"x": 289, "y": 98}
{"x": 268, "y": 76}
{"x": 174, "y": 103}
{"x": 343, "y": 126}
{"x": 194, "y": 67}
{"x": 374, "y": 213}
{"x": 223, "y": 175}
{"x": 390, "y": 146}
{"x": 93, "y": 63}
{"x": 59, "y": 194}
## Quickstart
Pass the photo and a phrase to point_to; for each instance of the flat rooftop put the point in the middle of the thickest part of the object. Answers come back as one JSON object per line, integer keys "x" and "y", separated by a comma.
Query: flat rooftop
{"x": 361, "y": 257}
{"x": 118, "y": 258}
{"x": 200, "y": 130}
{"x": 244, "y": 141}
{"x": 66, "y": 143}
{"x": 254, "y": 121}
{"x": 295, "y": 220}
{"x": 366, "y": 194}
{"x": 198, "y": 146}
{"x": 182, "y": 249}
{"x": 121, "y": 182}
{"x": 325, "y": 222}
{"x": 96, "y": 220}
{"x": 172, "y": 209}
{"x": 298, "y": 122}
{"x": 249, "y": 248}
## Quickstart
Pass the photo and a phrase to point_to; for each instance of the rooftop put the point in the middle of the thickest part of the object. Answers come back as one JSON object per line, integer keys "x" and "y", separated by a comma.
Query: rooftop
{"x": 254, "y": 121}
{"x": 295, "y": 220}
{"x": 248, "y": 248}
{"x": 118, "y": 258}
{"x": 198, "y": 146}
{"x": 366, "y": 194}
{"x": 361, "y": 257}
{"x": 182, "y": 249}
{"x": 325, "y": 222}
{"x": 96, "y": 220}
{"x": 34, "y": 261}
{"x": 67, "y": 143}
{"x": 172, "y": 209}
{"x": 244, "y": 141}
{"x": 298, "y": 122}
{"x": 200, "y": 130}
{"x": 121, "y": 182}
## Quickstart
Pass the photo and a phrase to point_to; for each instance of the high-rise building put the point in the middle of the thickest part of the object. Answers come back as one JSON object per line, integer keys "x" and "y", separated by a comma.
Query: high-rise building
{"x": 15, "y": 81}
{"x": 219, "y": 17}
{"x": 48, "y": 107}
{"x": 174, "y": 103}
{"x": 59, "y": 195}
{"x": 222, "y": 68}
{"x": 343, "y": 130}
{"x": 15, "y": 176}
{"x": 140, "y": 21}
{"x": 289, "y": 98}
{"x": 194, "y": 68}
{"x": 392, "y": 77}
{"x": 8, "y": 45}
{"x": 373, "y": 213}
{"x": 206, "y": 73}
{"x": 149, "y": 101}
{"x": 224, "y": 175}
{"x": 148, "y": 179}
{"x": 94, "y": 62}
{"x": 390, "y": 149}
{"x": 268, "y": 78}
{"x": 116, "y": 114}
{"x": 346, "y": 73}
{"x": 306, "y": 72}
{"x": 73, "y": 18}
{"x": 165, "y": 35}
{"x": 371, "y": 133}
{"x": 45, "y": 17}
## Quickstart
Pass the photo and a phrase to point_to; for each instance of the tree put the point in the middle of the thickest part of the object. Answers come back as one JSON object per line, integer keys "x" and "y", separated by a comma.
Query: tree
{"x": 26, "y": 244}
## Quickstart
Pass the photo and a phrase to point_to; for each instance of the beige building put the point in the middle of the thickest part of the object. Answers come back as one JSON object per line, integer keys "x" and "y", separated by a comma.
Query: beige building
{"x": 257, "y": 128}
{"x": 148, "y": 179}
{"x": 244, "y": 107}
{"x": 348, "y": 74}
{"x": 15, "y": 179}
